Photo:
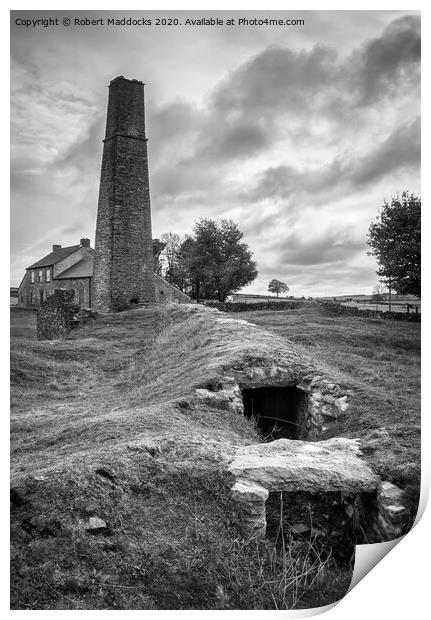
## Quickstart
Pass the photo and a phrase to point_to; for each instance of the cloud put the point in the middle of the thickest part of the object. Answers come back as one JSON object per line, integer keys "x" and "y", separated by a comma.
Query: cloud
{"x": 293, "y": 97}
{"x": 297, "y": 141}
{"x": 381, "y": 64}
{"x": 276, "y": 79}
{"x": 46, "y": 118}
{"x": 84, "y": 154}
{"x": 234, "y": 140}
{"x": 330, "y": 247}
{"x": 401, "y": 149}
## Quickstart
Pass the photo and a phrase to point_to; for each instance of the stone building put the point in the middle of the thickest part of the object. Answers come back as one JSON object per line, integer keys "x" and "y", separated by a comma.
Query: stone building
{"x": 69, "y": 268}
{"x": 13, "y": 295}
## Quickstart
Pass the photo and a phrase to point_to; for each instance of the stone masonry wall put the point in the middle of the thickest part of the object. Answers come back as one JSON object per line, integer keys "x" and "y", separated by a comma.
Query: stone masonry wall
{"x": 168, "y": 293}
{"x": 123, "y": 272}
{"x": 29, "y": 294}
{"x": 337, "y": 308}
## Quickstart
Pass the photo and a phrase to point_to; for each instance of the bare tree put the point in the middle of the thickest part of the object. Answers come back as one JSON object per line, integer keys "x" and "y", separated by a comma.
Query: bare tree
{"x": 170, "y": 254}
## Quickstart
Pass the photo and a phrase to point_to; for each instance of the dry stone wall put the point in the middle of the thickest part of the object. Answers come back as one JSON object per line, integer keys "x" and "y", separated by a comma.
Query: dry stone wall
{"x": 337, "y": 308}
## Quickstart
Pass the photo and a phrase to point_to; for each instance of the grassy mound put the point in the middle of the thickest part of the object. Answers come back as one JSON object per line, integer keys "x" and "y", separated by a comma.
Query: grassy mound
{"x": 105, "y": 424}
{"x": 379, "y": 361}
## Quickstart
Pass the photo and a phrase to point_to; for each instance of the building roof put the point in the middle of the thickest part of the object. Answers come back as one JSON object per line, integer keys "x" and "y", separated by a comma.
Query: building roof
{"x": 54, "y": 257}
{"x": 81, "y": 269}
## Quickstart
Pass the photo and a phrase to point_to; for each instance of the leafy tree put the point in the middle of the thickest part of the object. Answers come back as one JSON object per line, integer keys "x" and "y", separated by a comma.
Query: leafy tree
{"x": 275, "y": 286}
{"x": 216, "y": 260}
{"x": 395, "y": 241}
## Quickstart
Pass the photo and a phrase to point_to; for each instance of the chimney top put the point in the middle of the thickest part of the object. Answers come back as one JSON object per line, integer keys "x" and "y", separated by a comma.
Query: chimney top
{"x": 121, "y": 77}
{"x": 56, "y": 247}
{"x": 84, "y": 242}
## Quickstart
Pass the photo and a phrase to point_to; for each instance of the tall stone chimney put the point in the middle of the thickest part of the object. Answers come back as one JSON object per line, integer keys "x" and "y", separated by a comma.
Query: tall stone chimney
{"x": 124, "y": 265}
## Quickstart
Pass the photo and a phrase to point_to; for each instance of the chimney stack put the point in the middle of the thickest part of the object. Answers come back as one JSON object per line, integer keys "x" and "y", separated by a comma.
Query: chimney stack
{"x": 124, "y": 262}
{"x": 84, "y": 242}
{"x": 56, "y": 247}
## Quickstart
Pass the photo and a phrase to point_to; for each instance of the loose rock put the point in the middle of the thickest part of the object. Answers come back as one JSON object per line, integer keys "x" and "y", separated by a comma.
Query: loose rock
{"x": 96, "y": 525}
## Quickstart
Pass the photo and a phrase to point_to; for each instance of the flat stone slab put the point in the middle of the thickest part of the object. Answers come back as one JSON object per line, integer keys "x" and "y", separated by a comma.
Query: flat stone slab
{"x": 294, "y": 466}
{"x": 315, "y": 467}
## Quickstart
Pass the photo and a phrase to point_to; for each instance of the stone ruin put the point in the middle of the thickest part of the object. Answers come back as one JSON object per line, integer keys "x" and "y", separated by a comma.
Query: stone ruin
{"x": 293, "y": 404}
{"x": 58, "y": 315}
{"x": 332, "y": 468}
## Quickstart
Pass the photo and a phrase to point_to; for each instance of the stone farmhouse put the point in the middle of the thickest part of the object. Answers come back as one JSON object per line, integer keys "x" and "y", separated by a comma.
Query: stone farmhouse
{"x": 69, "y": 268}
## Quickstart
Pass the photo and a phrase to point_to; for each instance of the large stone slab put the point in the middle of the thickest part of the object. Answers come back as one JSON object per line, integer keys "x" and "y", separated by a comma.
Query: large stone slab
{"x": 292, "y": 466}
{"x": 315, "y": 467}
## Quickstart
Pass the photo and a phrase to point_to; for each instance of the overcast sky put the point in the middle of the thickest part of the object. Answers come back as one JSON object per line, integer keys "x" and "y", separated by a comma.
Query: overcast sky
{"x": 298, "y": 134}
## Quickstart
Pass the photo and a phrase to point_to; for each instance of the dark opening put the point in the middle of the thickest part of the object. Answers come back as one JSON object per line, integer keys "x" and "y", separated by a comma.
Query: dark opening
{"x": 319, "y": 518}
{"x": 134, "y": 300}
{"x": 279, "y": 412}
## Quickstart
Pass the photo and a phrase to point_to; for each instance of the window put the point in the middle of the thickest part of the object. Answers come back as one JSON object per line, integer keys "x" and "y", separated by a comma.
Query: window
{"x": 40, "y": 275}
{"x": 32, "y": 277}
{"x": 48, "y": 275}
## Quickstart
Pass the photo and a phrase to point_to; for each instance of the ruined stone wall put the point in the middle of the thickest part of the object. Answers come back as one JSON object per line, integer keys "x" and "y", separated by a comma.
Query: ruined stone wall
{"x": 168, "y": 293}
{"x": 123, "y": 272}
{"x": 55, "y": 316}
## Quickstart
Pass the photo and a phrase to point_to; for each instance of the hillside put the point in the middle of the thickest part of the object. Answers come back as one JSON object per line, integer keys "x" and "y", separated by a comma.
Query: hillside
{"x": 120, "y": 494}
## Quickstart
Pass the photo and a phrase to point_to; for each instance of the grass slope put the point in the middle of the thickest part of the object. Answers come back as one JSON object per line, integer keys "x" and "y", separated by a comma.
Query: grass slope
{"x": 379, "y": 361}
{"x": 104, "y": 424}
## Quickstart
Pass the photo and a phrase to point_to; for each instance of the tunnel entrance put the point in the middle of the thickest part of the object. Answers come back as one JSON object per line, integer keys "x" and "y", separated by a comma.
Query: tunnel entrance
{"x": 279, "y": 412}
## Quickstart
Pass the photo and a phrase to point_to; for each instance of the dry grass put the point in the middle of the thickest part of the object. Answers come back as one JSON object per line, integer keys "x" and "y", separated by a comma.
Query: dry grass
{"x": 104, "y": 424}
{"x": 115, "y": 383}
{"x": 379, "y": 361}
